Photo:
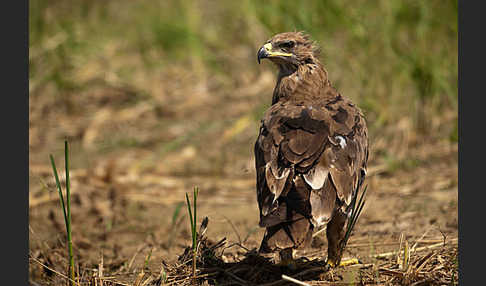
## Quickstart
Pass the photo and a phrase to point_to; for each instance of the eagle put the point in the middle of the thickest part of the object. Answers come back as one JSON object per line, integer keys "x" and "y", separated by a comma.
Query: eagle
{"x": 310, "y": 155}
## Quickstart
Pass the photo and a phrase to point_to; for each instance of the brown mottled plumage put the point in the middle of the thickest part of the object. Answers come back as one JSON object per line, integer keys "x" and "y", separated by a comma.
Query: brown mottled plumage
{"x": 311, "y": 153}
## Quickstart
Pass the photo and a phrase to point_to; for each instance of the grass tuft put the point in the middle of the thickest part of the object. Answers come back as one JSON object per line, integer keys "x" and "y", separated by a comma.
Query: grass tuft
{"x": 356, "y": 211}
{"x": 66, "y": 208}
{"x": 193, "y": 228}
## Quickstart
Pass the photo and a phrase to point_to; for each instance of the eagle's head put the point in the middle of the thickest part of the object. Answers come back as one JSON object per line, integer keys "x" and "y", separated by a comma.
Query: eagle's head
{"x": 289, "y": 50}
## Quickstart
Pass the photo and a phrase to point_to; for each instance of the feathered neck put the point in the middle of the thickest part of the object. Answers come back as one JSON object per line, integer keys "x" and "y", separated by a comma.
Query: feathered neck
{"x": 302, "y": 82}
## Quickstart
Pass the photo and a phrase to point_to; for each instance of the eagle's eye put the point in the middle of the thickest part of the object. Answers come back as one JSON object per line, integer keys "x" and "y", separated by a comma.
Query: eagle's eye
{"x": 287, "y": 44}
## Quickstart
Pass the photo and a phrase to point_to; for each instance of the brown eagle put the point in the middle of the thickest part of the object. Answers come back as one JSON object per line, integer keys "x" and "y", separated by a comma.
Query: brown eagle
{"x": 311, "y": 153}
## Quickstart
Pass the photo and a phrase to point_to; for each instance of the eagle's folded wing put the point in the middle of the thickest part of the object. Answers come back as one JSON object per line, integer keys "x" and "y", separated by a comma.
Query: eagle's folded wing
{"x": 319, "y": 148}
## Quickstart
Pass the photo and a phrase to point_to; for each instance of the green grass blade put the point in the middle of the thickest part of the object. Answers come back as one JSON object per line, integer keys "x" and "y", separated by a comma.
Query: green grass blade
{"x": 175, "y": 223}
{"x": 362, "y": 196}
{"x": 193, "y": 230}
{"x": 360, "y": 207}
{"x": 68, "y": 208}
{"x": 61, "y": 197}
{"x": 356, "y": 211}
{"x": 68, "y": 190}
{"x": 175, "y": 215}
{"x": 194, "y": 236}
{"x": 190, "y": 215}
{"x": 147, "y": 259}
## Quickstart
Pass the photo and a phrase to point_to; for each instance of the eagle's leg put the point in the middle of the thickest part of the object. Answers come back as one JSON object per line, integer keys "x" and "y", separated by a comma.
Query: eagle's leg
{"x": 335, "y": 234}
{"x": 287, "y": 258}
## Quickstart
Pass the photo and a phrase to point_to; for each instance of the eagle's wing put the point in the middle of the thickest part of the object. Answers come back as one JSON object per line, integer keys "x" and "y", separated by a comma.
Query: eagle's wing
{"x": 305, "y": 147}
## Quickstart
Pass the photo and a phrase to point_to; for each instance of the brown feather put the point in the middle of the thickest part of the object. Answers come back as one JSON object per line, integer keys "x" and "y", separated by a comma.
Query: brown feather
{"x": 322, "y": 201}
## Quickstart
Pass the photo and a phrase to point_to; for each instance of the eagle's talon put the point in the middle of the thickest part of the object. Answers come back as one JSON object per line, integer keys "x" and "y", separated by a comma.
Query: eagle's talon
{"x": 343, "y": 263}
{"x": 330, "y": 263}
{"x": 348, "y": 262}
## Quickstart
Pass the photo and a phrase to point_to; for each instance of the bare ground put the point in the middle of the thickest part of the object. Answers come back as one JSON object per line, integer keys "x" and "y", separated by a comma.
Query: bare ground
{"x": 121, "y": 218}
{"x": 133, "y": 162}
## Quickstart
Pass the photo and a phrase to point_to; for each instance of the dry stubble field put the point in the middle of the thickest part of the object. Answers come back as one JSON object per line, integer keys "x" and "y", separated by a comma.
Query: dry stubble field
{"x": 124, "y": 202}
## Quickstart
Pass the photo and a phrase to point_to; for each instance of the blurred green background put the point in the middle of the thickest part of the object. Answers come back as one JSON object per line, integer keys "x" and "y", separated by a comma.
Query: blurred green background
{"x": 176, "y": 83}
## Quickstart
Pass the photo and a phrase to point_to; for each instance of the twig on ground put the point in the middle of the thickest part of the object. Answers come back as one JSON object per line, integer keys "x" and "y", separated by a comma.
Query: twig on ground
{"x": 100, "y": 269}
{"x": 53, "y": 270}
{"x": 139, "y": 249}
{"x": 319, "y": 231}
{"x": 391, "y": 253}
{"x": 412, "y": 250}
{"x": 285, "y": 277}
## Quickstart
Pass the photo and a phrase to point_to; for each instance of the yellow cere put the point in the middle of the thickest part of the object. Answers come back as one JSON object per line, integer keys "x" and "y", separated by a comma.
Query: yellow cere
{"x": 268, "y": 48}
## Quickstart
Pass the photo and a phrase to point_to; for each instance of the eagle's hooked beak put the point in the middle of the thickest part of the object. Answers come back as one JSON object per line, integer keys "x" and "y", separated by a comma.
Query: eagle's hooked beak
{"x": 267, "y": 52}
{"x": 263, "y": 52}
